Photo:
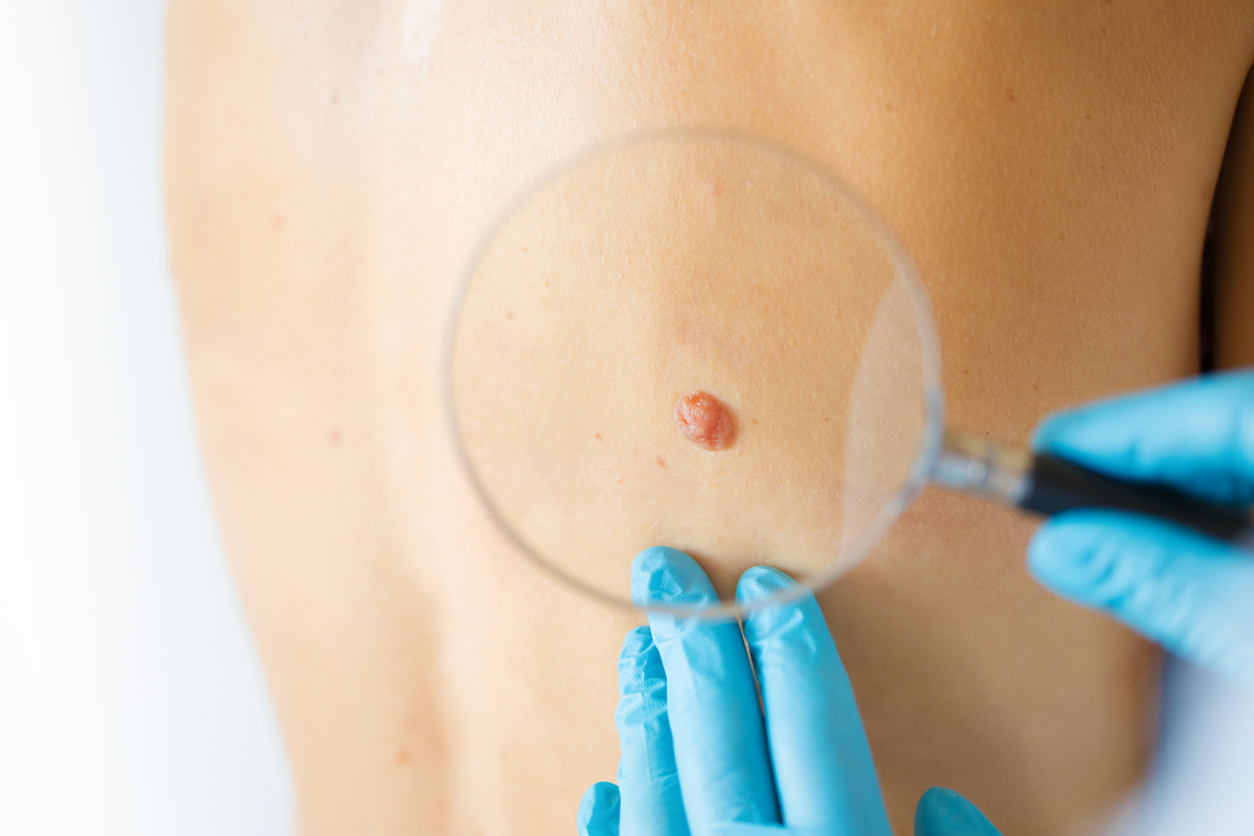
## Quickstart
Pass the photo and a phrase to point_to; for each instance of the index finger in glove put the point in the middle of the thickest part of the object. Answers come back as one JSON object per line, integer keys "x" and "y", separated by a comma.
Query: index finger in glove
{"x": 825, "y": 777}
{"x": 1197, "y": 436}
{"x": 1192, "y": 594}
{"x": 648, "y": 778}
{"x": 711, "y": 701}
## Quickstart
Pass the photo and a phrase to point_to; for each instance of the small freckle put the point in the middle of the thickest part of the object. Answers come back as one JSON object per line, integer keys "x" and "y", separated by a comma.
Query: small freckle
{"x": 1035, "y": 388}
{"x": 509, "y": 314}
{"x": 335, "y": 436}
{"x": 1010, "y": 95}
{"x": 597, "y": 436}
{"x": 713, "y": 188}
{"x": 754, "y": 420}
{"x": 661, "y": 463}
{"x": 401, "y": 756}
{"x": 966, "y": 371}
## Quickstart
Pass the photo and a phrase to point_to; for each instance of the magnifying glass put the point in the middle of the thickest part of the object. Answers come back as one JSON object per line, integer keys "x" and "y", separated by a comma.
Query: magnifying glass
{"x": 707, "y": 341}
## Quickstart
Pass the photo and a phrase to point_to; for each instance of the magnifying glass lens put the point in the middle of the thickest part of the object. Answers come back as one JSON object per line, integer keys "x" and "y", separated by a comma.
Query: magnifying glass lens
{"x": 693, "y": 340}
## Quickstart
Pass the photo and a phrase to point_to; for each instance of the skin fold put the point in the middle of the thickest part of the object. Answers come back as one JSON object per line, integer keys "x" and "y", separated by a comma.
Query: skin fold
{"x": 329, "y": 168}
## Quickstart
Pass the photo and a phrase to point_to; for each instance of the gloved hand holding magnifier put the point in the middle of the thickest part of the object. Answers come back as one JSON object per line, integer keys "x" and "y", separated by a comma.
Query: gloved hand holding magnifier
{"x": 674, "y": 323}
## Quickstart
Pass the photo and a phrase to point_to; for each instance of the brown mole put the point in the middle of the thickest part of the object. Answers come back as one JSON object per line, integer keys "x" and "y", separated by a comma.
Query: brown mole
{"x": 705, "y": 421}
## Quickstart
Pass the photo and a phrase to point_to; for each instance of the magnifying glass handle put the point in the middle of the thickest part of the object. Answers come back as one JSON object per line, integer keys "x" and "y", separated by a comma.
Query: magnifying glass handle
{"x": 1048, "y": 485}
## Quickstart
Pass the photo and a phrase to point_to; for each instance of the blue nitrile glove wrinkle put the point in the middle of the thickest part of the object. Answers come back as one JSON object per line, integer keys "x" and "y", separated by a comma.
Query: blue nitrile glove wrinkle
{"x": 647, "y": 772}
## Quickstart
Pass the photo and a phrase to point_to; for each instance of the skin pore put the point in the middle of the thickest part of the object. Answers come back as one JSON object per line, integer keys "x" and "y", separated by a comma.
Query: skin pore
{"x": 331, "y": 166}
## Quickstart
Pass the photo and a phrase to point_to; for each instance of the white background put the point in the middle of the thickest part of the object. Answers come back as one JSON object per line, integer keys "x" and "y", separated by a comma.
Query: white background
{"x": 131, "y": 700}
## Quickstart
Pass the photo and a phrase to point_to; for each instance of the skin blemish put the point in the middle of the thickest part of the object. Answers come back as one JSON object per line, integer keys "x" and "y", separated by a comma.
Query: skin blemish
{"x": 597, "y": 436}
{"x": 661, "y": 463}
{"x": 335, "y": 436}
{"x": 705, "y": 421}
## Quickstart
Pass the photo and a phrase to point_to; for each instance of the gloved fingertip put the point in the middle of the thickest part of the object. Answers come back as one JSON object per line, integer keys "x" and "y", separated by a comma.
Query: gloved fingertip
{"x": 943, "y": 812}
{"x": 662, "y": 575}
{"x": 795, "y": 609}
{"x": 1066, "y": 553}
{"x": 762, "y": 582}
{"x": 640, "y": 670}
{"x": 787, "y": 633}
{"x": 637, "y": 641}
{"x": 599, "y": 810}
{"x": 1048, "y": 433}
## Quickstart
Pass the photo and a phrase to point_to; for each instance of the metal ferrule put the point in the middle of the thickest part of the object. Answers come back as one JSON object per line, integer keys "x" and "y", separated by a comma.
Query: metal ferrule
{"x": 974, "y": 465}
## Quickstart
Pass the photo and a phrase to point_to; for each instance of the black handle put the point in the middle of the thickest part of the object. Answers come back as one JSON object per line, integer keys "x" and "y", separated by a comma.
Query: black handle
{"x": 1057, "y": 485}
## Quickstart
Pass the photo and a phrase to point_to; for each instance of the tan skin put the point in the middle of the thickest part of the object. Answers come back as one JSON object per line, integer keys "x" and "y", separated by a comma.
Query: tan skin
{"x": 1051, "y": 168}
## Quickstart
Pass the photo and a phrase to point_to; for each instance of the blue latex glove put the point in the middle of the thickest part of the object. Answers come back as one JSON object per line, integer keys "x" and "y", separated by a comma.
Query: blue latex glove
{"x": 1193, "y": 594}
{"x": 699, "y": 756}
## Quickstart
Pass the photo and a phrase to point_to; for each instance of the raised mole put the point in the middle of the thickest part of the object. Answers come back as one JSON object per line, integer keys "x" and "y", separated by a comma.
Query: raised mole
{"x": 705, "y": 421}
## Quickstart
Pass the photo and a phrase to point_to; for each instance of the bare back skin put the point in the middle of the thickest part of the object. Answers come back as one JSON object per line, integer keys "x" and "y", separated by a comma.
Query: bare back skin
{"x": 330, "y": 164}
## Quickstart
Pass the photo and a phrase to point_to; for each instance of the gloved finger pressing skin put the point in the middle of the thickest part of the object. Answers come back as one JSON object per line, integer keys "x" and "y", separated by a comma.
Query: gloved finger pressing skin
{"x": 943, "y": 812}
{"x": 1192, "y": 594}
{"x": 648, "y": 778}
{"x": 1197, "y": 436}
{"x": 598, "y": 810}
{"x": 712, "y": 704}
{"x": 824, "y": 775}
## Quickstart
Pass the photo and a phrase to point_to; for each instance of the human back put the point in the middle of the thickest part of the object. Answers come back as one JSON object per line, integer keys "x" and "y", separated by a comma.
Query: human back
{"x": 329, "y": 168}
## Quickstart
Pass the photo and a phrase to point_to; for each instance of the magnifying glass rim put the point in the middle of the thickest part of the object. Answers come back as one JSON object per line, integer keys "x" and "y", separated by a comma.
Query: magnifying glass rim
{"x": 932, "y": 394}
